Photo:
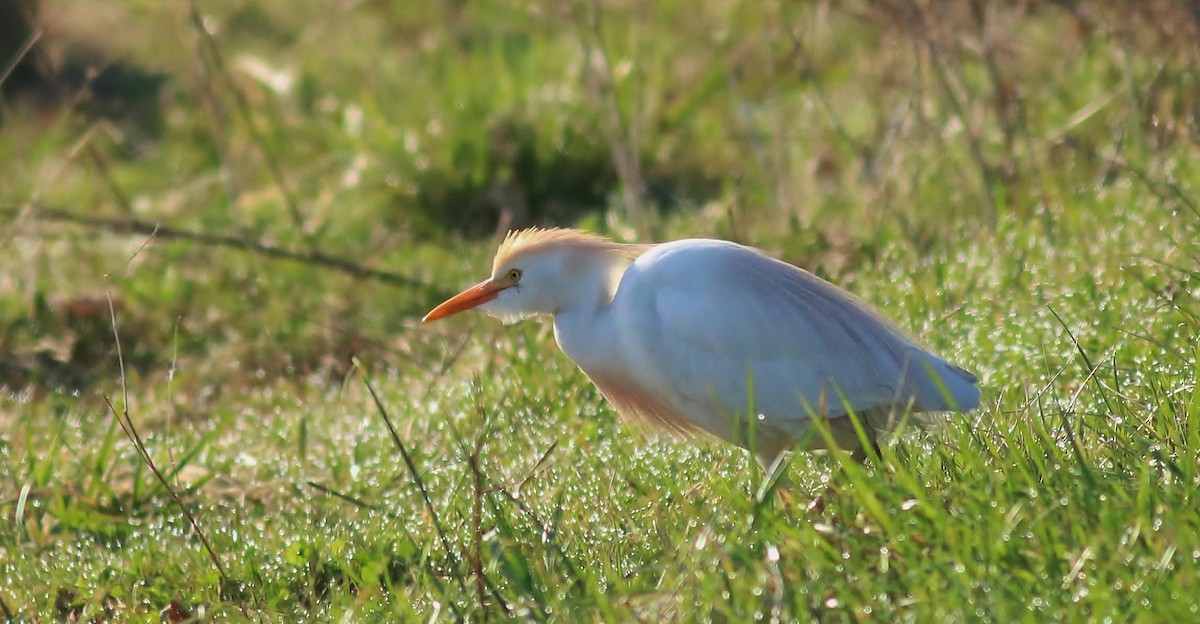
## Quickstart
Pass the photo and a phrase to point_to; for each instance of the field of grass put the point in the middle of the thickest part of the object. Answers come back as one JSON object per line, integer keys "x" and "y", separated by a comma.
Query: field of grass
{"x": 260, "y": 199}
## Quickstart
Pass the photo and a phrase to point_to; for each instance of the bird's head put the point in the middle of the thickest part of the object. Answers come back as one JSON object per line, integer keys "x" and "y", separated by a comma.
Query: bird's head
{"x": 544, "y": 271}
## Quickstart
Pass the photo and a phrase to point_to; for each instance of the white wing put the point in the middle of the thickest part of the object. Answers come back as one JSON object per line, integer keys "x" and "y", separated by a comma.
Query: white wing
{"x": 708, "y": 320}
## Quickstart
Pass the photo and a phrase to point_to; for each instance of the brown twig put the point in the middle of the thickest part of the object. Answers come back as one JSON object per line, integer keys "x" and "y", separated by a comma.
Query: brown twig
{"x": 599, "y": 81}
{"x": 538, "y": 466}
{"x": 417, "y": 480}
{"x": 101, "y": 165}
{"x": 357, "y": 502}
{"x": 952, "y": 86}
{"x": 242, "y": 104}
{"x": 135, "y": 438}
{"x": 362, "y": 504}
{"x": 483, "y": 584}
{"x": 131, "y": 432}
{"x": 476, "y": 557}
{"x": 146, "y": 228}
{"x": 1005, "y": 96}
{"x": 16, "y": 59}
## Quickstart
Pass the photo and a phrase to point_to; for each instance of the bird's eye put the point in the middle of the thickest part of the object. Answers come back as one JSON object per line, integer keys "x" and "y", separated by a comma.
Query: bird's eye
{"x": 514, "y": 275}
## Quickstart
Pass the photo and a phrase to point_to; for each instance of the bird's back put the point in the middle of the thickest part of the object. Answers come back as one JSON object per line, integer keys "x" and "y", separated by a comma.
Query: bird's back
{"x": 719, "y": 328}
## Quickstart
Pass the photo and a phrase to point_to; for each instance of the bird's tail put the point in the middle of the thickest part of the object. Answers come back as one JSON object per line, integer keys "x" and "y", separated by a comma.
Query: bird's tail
{"x": 941, "y": 386}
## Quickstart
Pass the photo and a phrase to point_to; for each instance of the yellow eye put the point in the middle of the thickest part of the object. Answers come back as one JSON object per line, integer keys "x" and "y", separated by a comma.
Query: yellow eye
{"x": 514, "y": 275}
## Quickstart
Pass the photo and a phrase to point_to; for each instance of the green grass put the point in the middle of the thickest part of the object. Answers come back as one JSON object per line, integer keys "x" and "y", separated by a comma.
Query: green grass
{"x": 1019, "y": 192}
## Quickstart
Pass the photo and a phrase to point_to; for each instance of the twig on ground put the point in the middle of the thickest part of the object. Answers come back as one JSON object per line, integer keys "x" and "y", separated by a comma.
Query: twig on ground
{"x": 445, "y": 365}
{"x": 958, "y": 100}
{"x": 391, "y": 515}
{"x": 146, "y": 228}
{"x": 477, "y": 493}
{"x": 538, "y": 466}
{"x": 357, "y": 502}
{"x": 135, "y": 438}
{"x": 101, "y": 164}
{"x": 483, "y": 584}
{"x": 242, "y": 104}
{"x": 452, "y": 560}
{"x": 599, "y": 81}
{"x": 16, "y": 59}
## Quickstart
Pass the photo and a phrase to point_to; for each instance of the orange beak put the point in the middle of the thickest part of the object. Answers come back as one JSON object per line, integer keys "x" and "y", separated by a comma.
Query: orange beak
{"x": 474, "y": 296}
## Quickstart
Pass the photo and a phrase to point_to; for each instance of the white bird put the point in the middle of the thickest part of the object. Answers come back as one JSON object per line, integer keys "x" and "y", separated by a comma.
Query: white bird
{"x": 708, "y": 335}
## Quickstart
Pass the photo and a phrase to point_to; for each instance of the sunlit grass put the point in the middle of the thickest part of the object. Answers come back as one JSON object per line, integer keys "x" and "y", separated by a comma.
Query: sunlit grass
{"x": 1055, "y": 258}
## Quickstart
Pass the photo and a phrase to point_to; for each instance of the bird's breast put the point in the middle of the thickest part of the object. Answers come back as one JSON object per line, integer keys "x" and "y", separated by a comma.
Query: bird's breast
{"x": 596, "y": 343}
{"x": 636, "y": 402}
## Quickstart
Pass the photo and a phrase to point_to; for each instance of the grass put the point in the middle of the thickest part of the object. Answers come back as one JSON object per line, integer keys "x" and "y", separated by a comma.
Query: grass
{"x": 1014, "y": 184}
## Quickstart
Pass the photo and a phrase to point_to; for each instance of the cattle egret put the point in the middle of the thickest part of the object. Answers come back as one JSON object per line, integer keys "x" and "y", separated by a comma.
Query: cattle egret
{"x": 711, "y": 336}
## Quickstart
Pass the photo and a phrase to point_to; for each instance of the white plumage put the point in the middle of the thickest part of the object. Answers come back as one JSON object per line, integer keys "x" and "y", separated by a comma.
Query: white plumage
{"x": 714, "y": 336}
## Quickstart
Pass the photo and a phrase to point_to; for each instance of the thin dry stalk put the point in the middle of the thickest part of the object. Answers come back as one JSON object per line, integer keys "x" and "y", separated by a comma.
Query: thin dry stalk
{"x": 135, "y": 438}
{"x": 419, "y": 482}
{"x": 362, "y": 504}
{"x": 353, "y": 500}
{"x": 951, "y": 85}
{"x": 242, "y": 105}
{"x": 483, "y": 584}
{"x": 603, "y": 91}
{"x": 476, "y": 557}
{"x": 20, "y": 55}
{"x": 98, "y": 160}
{"x": 146, "y": 228}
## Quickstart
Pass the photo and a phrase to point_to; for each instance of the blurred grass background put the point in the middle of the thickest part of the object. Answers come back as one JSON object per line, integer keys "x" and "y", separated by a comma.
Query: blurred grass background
{"x": 1014, "y": 182}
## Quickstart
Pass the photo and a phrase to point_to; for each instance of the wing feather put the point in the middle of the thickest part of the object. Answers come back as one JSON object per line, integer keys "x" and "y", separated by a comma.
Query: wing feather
{"x": 713, "y": 320}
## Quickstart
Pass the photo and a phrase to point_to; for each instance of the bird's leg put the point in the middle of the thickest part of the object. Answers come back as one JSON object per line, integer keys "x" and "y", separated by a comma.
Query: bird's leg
{"x": 774, "y": 473}
{"x": 848, "y": 439}
{"x": 845, "y": 436}
{"x": 775, "y": 477}
{"x": 859, "y": 453}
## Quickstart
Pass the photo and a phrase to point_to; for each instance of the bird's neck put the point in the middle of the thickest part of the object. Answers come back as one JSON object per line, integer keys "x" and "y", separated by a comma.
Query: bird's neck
{"x": 584, "y": 329}
{"x": 590, "y": 284}
{"x": 587, "y": 336}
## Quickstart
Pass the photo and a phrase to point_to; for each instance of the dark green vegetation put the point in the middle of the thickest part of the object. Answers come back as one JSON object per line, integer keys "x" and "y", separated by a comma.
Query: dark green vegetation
{"x": 1015, "y": 184}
